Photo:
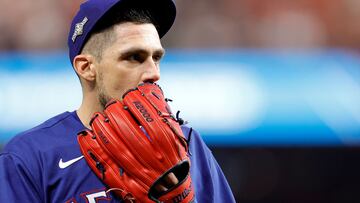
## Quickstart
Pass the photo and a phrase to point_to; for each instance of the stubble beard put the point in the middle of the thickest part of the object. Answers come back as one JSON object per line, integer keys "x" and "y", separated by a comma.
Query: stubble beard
{"x": 103, "y": 99}
{"x": 103, "y": 96}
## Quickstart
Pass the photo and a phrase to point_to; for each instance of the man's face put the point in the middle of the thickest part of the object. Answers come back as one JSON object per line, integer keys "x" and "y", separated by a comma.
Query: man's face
{"x": 132, "y": 59}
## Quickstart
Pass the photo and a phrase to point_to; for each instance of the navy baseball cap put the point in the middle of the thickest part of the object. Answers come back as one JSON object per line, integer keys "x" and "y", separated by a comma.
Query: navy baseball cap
{"x": 91, "y": 11}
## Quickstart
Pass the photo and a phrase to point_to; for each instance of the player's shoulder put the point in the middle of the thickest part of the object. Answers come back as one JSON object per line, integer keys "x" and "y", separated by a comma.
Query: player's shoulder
{"x": 51, "y": 122}
{"x": 195, "y": 139}
{"x": 190, "y": 133}
{"x": 41, "y": 129}
{"x": 40, "y": 136}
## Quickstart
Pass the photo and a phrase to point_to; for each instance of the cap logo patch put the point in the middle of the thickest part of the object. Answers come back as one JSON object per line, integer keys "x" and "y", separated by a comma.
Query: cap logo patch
{"x": 79, "y": 27}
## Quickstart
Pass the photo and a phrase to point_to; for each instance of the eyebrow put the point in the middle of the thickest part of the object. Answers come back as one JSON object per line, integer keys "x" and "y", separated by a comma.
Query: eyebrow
{"x": 131, "y": 51}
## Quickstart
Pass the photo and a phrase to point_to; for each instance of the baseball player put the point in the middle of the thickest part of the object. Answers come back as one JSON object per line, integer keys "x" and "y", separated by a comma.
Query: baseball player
{"x": 114, "y": 46}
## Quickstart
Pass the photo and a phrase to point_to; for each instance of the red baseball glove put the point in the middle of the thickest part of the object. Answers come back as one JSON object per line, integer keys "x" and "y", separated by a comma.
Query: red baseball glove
{"x": 135, "y": 147}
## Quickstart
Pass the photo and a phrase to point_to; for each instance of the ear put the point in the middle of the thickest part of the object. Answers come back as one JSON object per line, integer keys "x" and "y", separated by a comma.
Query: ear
{"x": 84, "y": 67}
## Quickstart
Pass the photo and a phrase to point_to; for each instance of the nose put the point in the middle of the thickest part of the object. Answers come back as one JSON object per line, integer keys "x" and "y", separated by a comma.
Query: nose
{"x": 151, "y": 72}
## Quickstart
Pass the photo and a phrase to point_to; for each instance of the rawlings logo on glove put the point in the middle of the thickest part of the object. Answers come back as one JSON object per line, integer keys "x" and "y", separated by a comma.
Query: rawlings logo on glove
{"x": 137, "y": 148}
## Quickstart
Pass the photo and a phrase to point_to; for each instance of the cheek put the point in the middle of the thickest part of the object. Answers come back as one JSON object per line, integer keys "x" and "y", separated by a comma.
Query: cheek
{"x": 121, "y": 81}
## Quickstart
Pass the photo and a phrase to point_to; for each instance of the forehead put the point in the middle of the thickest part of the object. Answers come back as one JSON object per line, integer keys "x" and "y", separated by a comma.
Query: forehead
{"x": 140, "y": 35}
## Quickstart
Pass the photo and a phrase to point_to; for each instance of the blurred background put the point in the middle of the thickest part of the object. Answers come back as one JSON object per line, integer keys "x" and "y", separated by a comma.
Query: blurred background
{"x": 273, "y": 87}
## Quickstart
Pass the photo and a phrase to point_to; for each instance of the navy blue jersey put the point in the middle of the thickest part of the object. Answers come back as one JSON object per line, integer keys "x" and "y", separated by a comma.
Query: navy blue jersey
{"x": 45, "y": 164}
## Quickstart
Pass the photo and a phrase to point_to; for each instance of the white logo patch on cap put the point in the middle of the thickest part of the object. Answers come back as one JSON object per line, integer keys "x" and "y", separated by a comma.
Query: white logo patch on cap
{"x": 79, "y": 28}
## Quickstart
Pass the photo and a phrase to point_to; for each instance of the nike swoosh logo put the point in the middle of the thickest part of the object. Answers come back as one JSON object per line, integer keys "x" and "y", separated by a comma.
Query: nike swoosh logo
{"x": 66, "y": 164}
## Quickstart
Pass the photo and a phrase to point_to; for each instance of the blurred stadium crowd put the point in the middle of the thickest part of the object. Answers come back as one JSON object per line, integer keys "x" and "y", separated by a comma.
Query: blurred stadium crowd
{"x": 43, "y": 24}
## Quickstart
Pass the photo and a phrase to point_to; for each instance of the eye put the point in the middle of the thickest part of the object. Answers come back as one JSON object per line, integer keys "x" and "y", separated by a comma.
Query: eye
{"x": 136, "y": 57}
{"x": 157, "y": 58}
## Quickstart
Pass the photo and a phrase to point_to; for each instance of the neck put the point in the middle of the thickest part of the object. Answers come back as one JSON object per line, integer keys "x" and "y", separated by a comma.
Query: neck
{"x": 89, "y": 106}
